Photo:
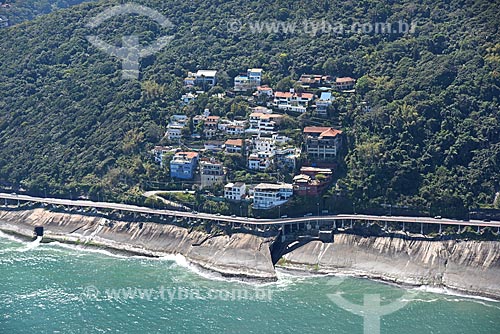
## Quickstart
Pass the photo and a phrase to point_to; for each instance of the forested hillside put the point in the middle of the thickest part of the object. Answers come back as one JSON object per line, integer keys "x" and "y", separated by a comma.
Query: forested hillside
{"x": 17, "y": 11}
{"x": 69, "y": 123}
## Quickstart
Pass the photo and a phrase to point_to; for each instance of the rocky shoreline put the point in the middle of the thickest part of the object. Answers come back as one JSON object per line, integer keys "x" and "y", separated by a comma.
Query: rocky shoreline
{"x": 239, "y": 255}
{"x": 471, "y": 267}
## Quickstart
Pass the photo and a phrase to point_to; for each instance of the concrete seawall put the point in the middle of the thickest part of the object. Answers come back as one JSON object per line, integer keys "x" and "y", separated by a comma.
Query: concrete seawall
{"x": 469, "y": 266}
{"x": 241, "y": 255}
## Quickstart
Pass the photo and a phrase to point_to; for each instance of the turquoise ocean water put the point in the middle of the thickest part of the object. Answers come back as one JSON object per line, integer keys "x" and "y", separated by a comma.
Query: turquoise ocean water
{"x": 54, "y": 288}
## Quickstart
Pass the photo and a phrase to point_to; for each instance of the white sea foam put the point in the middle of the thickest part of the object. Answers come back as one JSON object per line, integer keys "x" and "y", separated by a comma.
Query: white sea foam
{"x": 453, "y": 293}
{"x": 86, "y": 249}
{"x": 11, "y": 237}
{"x": 32, "y": 245}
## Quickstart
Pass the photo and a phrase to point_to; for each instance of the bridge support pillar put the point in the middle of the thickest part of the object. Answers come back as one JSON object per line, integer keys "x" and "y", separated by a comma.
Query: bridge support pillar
{"x": 342, "y": 223}
{"x": 334, "y": 224}
{"x": 385, "y": 226}
{"x": 478, "y": 229}
{"x": 440, "y": 229}
{"x": 308, "y": 226}
{"x": 18, "y": 203}
{"x": 421, "y": 228}
{"x": 459, "y": 229}
{"x": 351, "y": 223}
{"x": 403, "y": 227}
{"x": 5, "y": 202}
{"x": 283, "y": 237}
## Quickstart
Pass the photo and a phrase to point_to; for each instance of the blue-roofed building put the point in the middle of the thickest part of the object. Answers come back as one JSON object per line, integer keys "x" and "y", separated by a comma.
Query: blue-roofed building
{"x": 322, "y": 104}
{"x": 183, "y": 165}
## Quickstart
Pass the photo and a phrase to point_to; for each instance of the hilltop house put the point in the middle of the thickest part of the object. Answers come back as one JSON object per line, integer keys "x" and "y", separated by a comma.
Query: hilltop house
{"x": 212, "y": 172}
{"x": 213, "y": 145}
{"x": 322, "y": 143}
{"x": 264, "y": 91}
{"x": 234, "y": 145}
{"x": 268, "y": 195}
{"x": 235, "y": 191}
{"x": 201, "y": 78}
{"x": 264, "y": 123}
{"x": 210, "y": 126}
{"x": 250, "y": 81}
{"x": 174, "y": 131}
{"x": 323, "y": 103}
{"x": 298, "y": 102}
{"x": 188, "y": 98}
{"x": 314, "y": 80}
{"x": 183, "y": 165}
{"x": 310, "y": 183}
{"x": 287, "y": 157}
{"x": 159, "y": 153}
{"x": 4, "y": 22}
{"x": 345, "y": 83}
{"x": 260, "y": 160}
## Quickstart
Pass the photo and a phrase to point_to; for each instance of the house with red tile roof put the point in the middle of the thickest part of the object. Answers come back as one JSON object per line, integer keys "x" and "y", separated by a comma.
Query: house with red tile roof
{"x": 345, "y": 83}
{"x": 322, "y": 143}
{"x": 293, "y": 101}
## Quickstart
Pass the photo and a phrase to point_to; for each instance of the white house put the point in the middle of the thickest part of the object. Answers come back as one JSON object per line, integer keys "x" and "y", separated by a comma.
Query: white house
{"x": 293, "y": 101}
{"x": 235, "y": 191}
{"x": 234, "y": 145}
{"x": 345, "y": 83}
{"x": 160, "y": 151}
{"x": 249, "y": 81}
{"x": 188, "y": 98}
{"x": 201, "y": 78}
{"x": 323, "y": 103}
{"x": 268, "y": 195}
{"x": 264, "y": 91}
{"x": 211, "y": 172}
{"x": 264, "y": 144}
{"x": 263, "y": 122}
{"x": 260, "y": 160}
{"x": 178, "y": 118}
{"x": 174, "y": 131}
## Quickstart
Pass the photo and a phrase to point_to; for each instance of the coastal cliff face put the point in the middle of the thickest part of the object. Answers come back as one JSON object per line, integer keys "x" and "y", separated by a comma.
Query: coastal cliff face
{"x": 239, "y": 254}
{"x": 471, "y": 266}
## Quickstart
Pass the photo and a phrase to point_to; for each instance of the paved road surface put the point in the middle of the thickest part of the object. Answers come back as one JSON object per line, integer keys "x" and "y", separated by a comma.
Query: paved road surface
{"x": 248, "y": 221}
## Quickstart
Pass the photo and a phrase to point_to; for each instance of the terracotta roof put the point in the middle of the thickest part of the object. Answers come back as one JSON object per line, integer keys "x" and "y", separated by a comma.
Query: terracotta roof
{"x": 315, "y": 129}
{"x": 270, "y": 116}
{"x": 264, "y": 88}
{"x": 323, "y": 131}
{"x": 345, "y": 79}
{"x": 189, "y": 155}
{"x": 288, "y": 95}
{"x": 234, "y": 142}
{"x": 283, "y": 94}
{"x": 330, "y": 133}
{"x": 257, "y": 114}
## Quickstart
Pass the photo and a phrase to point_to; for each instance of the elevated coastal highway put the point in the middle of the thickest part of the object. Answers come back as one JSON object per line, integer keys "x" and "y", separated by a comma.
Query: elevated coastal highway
{"x": 336, "y": 219}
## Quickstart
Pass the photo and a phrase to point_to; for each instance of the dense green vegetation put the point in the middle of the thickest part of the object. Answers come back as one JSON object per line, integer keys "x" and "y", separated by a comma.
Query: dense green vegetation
{"x": 69, "y": 124}
{"x": 17, "y": 11}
